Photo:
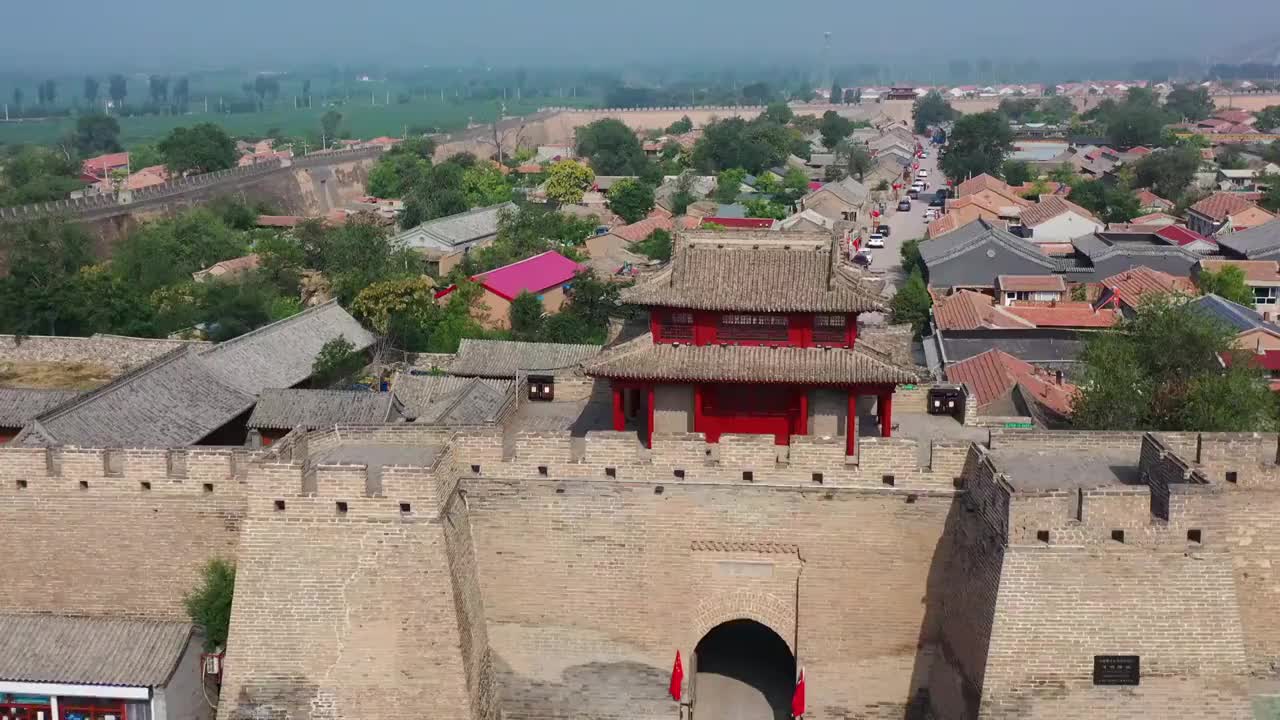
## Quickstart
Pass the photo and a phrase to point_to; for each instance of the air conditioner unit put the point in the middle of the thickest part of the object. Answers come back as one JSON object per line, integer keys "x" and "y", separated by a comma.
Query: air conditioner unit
{"x": 212, "y": 663}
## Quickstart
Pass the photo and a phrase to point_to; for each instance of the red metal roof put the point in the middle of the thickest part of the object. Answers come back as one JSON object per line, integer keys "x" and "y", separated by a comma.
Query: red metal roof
{"x": 534, "y": 275}
{"x": 1179, "y": 235}
{"x": 1267, "y": 360}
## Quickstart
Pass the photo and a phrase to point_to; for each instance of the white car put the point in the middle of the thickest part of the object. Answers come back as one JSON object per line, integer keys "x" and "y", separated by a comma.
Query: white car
{"x": 922, "y": 174}
{"x": 924, "y": 155}
{"x": 918, "y": 186}
{"x": 875, "y": 241}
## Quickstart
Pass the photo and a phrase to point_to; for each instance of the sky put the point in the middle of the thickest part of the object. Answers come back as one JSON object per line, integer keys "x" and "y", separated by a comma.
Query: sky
{"x": 599, "y": 33}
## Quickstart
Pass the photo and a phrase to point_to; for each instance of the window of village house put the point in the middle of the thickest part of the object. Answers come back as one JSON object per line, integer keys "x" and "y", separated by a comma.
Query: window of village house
{"x": 829, "y": 328}
{"x": 753, "y": 327}
{"x": 1265, "y": 295}
{"x": 678, "y": 326}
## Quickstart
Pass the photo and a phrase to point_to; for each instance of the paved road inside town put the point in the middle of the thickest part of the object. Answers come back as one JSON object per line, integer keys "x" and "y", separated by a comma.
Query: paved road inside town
{"x": 906, "y": 225}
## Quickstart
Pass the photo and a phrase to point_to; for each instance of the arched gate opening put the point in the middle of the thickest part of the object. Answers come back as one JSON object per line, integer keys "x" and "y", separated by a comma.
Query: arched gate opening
{"x": 742, "y": 671}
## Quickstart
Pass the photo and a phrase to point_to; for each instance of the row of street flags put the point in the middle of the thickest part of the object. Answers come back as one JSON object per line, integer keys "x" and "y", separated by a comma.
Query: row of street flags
{"x": 677, "y": 686}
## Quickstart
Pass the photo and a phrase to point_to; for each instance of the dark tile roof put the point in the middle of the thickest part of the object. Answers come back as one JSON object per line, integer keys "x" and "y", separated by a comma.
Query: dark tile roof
{"x": 1052, "y": 347}
{"x": 508, "y": 358}
{"x": 641, "y": 358}
{"x": 90, "y": 651}
{"x": 755, "y": 271}
{"x": 286, "y": 409}
{"x": 1099, "y": 248}
{"x": 19, "y": 406}
{"x": 1260, "y": 241}
{"x": 451, "y": 400}
{"x": 1233, "y": 314}
{"x": 172, "y": 401}
{"x": 967, "y": 237}
{"x": 181, "y": 397}
{"x": 281, "y": 354}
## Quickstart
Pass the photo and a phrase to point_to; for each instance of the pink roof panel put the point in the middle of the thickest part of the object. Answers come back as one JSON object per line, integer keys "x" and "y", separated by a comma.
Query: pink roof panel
{"x": 534, "y": 275}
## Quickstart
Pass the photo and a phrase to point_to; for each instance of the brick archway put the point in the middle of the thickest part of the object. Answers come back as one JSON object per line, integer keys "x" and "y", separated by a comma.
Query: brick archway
{"x": 776, "y": 613}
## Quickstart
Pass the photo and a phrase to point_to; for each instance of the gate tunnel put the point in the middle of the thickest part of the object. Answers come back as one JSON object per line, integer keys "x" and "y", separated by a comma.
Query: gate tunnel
{"x": 743, "y": 671}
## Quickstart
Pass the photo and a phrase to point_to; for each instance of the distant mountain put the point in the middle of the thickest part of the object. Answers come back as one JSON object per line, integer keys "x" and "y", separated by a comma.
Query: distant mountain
{"x": 1265, "y": 49}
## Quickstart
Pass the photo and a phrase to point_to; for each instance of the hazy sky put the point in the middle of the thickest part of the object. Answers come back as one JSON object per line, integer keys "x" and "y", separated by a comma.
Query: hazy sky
{"x": 145, "y": 33}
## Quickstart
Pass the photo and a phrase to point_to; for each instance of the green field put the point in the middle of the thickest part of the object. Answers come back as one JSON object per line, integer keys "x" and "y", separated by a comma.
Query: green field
{"x": 362, "y": 119}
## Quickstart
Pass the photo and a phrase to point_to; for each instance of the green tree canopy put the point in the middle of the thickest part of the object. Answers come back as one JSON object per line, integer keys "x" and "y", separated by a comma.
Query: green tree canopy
{"x": 1111, "y": 203}
{"x": 912, "y": 302}
{"x": 931, "y": 109}
{"x": 1016, "y": 172}
{"x": 737, "y": 143}
{"x": 632, "y": 200}
{"x": 611, "y": 148}
{"x": 655, "y": 247}
{"x": 834, "y": 128}
{"x": 978, "y": 144}
{"x": 338, "y": 362}
{"x": 1268, "y": 118}
{"x": 1168, "y": 172}
{"x": 1229, "y": 283}
{"x": 202, "y": 148}
{"x": 778, "y": 112}
{"x": 526, "y": 317}
{"x": 728, "y": 184}
{"x": 1131, "y": 380}
{"x": 97, "y": 133}
{"x": 1190, "y": 102}
{"x": 209, "y": 604}
{"x": 567, "y": 180}
{"x": 681, "y": 126}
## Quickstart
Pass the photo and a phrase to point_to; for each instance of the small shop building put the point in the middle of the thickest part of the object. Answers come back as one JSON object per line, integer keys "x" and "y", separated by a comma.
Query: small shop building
{"x": 100, "y": 668}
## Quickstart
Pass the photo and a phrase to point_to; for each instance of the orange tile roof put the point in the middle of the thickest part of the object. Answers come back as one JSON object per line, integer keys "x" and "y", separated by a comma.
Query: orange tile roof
{"x": 993, "y": 374}
{"x": 1050, "y": 207}
{"x": 1146, "y": 198}
{"x": 1064, "y": 315}
{"x": 637, "y": 231}
{"x": 982, "y": 182}
{"x": 969, "y": 310}
{"x": 1221, "y": 205}
{"x": 1031, "y": 283}
{"x": 1155, "y": 218}
{"x": 1131, "y": 285}
{"x": 1259, "y": 271}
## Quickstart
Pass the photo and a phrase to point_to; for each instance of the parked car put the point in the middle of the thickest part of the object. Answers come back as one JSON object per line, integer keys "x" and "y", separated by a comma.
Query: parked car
{"x": 913, "y": 193}
{"x": 904, "y": 205}
{"x": 922, "y": 174}
{"x": 937, "y": 202}
{"x": 943, "y": 192}
{"x": 863, "y": 258}
{"x": 876, "y": 240}
{"x": 883, "y": 230}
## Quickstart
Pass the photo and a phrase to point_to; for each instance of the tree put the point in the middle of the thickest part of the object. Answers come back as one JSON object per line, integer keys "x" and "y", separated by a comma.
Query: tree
{"x": 853, "y": 96}
{"x": 91, "y": 89}
{"x": 763, "y": 208}
{"x": 117, "y": 89}
{"x": 1111, "y": 203}
{"x": 1168, "y": 172}
{"x": 1016, "y": 172}
{"x": 683, "y": 196}
{"x": 1268, "y": 118}
{"x": 834, "y": 128}
{"x": 611, "y": 147}
{"x": 736, "y": 143}
{"x": 44, "y": 259}
{"x": 655, "y": 247}
{"x": 912, "y": 302}
{"x": 1131, "y": 380}
{"x": 1271, "y": 196}
{"x": 98, "y": 133}
{"x": 1136, "y": 121}
{"x": 931, "y": 109}
{"x": 1229, "y": 283}
{"x": 329, "y": 124}
{"x": 681, "y": 126}
{"x": 483, "y": 185}
{"x": 381, "y": 302}
{"x": 38, "y": 174}
{"x": 209, "y": 605}
{"x": 910, "y": 254}
{"x": 778, "y": 112}
{"x": 1190, "y": 102}
{"x": 836, "y": 96}
{"x": 978, "y": 144}
{"x": 338, "y": 362}
{"x": 632, "y": 200}
{"x": 567, "y": 181}
{"x": 729, "y": 184}
{"x": 167, "y": 251}
{"x": 202, "y": 148}
{"x": 396, "y": 173}
{"x": 853, "y": 159}
{"x": 526, "y": 317}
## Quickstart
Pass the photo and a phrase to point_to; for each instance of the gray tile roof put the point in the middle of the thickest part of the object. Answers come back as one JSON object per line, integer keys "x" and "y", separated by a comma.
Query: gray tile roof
{"x": 1257, "y": 242}
{"x": 90, "y": 651}
{"x": 281, "y": 354}
{"x": 286, "y": 409}
{"x": 760, "y": 271}
{"x": 848, "y": 190}
{"x": 452, "y": 400}
{"x": 508, "y": 358}
{"x": 641, "y": 358}
{"x": 455, "y": 230}
{"x": 181, "y": 397}
{"x": 19, "y": 406}
{"x": 968, "y": 237}
{"x": 1237, "y": 316}
{"x": 1098, "y": 249}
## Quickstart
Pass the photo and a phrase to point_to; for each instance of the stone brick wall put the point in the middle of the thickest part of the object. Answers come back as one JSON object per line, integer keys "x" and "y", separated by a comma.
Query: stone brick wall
{"x": 114, "y": 533}
{"x": 113, "y": 352}
{"x": 350, "y": 604}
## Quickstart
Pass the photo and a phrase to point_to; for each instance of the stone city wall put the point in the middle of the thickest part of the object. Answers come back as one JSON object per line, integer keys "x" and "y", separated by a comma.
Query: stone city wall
{"x": 115, "y": 353}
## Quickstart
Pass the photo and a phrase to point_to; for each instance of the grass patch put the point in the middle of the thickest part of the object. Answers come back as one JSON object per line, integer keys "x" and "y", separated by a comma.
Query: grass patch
{"x": 54, "y": 375}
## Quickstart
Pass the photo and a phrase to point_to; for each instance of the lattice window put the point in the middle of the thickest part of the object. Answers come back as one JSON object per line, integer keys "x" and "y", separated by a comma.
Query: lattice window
{"x": 754, "y": 327}
{"x": 829, "y": 328}
{"x": 678, "y": 326}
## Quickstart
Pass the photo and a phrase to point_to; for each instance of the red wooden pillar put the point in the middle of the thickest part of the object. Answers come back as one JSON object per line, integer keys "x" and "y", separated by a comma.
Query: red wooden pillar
{"x": 851, "y": 424}
{"x": 802, "y": 421}
{"x": 619, "y": 418}
{"x": 885, "y": 406}
{"x": 648, "y": 437}
{"x": 697, "y": 408}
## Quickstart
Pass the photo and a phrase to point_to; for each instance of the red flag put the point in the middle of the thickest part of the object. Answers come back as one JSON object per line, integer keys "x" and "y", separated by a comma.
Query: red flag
{"x": 677, "y": 678}
{"x": 797, "y": 699}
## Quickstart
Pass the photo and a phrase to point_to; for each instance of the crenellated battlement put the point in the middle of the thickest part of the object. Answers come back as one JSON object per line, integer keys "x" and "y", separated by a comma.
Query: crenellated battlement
{"x": 192, "y": 471}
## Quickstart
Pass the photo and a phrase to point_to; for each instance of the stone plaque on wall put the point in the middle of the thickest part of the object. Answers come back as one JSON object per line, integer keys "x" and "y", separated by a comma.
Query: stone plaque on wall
{"x": 1115, "y": 670}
